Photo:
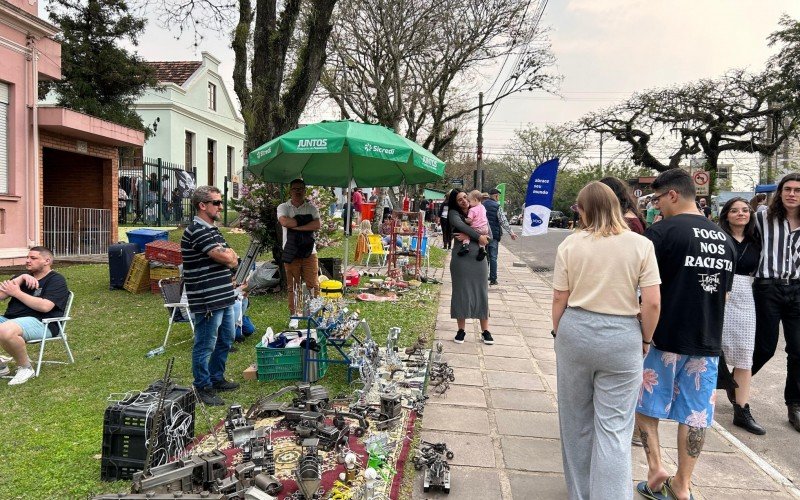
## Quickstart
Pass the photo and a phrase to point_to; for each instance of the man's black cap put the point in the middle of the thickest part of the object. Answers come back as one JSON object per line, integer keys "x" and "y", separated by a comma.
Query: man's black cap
{"x": 493, "y": 191}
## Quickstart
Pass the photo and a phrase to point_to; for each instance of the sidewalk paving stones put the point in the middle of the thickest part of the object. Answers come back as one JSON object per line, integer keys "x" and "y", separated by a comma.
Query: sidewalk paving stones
{"x": 500, "y": 415}
{"x": 452, "y": 418}
{"x": 508, "y": 339}
{"x": 468, "y": 449}
{"x": 508, "y": 364}
{"x": 725, "y": 469}
{"x": 465, "y": 348}
{"x": 468, "y": 376}
{"x": 511, "y": 399}
{"x": 462, "y": 395}
{"x": 531, "y": 454}
{"x": 510, "y": 380}
{"x": 544, "y": 354}
{"x": 526, "y": 423}
{"x": 547, "y": 367}
{"x": 466, "y": 482}
{"x": 524, "y": 486}
{"x": 462, "y": 360}
{"x": 505, "y": 351}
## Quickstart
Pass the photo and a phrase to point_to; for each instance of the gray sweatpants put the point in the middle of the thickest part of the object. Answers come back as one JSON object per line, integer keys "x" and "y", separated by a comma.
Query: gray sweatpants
{"x": 599, "y": 363}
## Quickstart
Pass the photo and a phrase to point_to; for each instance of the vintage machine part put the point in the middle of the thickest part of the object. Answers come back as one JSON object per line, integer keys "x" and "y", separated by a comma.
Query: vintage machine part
{"x": 190, "y": 475}
{"x": 307, "y": 398}
{"x": 309, "y": 469}
{"x": 236, "y": 425}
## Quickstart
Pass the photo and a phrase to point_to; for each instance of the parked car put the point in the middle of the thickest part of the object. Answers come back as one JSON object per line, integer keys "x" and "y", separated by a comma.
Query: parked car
{"x": 558, "y": 219}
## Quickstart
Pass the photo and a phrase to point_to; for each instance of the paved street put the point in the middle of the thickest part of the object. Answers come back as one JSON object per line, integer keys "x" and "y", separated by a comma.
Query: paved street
{"x": 500, "y": 415}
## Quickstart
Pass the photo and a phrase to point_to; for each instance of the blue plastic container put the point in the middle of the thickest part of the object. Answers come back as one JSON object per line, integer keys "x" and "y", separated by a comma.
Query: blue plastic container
{"x": 142, "y": 237}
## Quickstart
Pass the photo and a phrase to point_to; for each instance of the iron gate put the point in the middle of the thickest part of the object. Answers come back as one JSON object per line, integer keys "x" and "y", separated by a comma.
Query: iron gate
{"x": 71, "y": 231}
{"x": 157, "y": 193}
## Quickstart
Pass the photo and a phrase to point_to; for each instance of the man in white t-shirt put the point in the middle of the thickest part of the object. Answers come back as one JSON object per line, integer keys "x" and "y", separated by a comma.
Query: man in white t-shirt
{"x": 299, "y": 219}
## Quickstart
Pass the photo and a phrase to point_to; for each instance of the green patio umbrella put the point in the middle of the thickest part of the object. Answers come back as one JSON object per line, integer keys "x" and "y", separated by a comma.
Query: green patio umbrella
{"x": 343, "y": 153}
{"x": 340, "y": 153}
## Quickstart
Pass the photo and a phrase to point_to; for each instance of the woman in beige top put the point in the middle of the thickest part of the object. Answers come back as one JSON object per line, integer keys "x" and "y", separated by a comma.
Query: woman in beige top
{"x": 600, "y": 343}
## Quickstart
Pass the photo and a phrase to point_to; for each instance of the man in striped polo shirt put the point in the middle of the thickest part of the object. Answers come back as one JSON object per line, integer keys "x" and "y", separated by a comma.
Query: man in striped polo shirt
{"x": 776, "y": 288}
{"x": 207, "y": 261}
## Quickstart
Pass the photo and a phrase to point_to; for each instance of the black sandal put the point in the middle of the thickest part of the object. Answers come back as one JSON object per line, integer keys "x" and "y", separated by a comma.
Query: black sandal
{"x": 644, "y": 489}
{"x": 671, "y": 492}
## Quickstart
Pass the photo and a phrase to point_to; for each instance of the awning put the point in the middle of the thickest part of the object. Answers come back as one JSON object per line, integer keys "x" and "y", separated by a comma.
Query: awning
{"x": 79, "y": 126}
{"x": 433, "y": 194}
{"x": 766, "y": 188}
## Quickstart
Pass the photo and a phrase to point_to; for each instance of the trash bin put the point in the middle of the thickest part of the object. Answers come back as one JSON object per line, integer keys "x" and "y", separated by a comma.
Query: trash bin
{"x": 142, "y": 237}
{"x": 367, "y": 211}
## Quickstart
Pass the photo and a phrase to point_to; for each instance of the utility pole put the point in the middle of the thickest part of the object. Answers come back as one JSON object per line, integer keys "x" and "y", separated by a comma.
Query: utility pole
{"x": 601, "y": 153}
{"x": 479, "y": 163}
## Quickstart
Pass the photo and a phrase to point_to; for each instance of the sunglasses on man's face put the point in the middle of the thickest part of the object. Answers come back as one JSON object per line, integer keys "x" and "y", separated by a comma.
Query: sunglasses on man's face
{"x": 216, "y": 203}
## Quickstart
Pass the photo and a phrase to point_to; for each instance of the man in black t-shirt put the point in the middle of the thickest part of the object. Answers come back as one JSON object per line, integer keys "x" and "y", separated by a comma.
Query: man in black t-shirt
{"x": 696, "y": 264}
{"x": 39, "y": 294}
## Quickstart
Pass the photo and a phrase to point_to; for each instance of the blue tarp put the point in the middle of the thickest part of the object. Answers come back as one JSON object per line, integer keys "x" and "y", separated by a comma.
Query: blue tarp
{"x": 766, "y": 188}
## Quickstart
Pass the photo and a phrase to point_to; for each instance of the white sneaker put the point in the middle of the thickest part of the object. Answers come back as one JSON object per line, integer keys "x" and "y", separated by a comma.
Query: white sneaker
{"x": 22, "y": 376}
{"x": 294, "y": 323}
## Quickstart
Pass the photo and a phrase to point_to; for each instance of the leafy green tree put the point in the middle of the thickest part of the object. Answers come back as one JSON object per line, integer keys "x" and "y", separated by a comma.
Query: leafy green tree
{"x": 100, "y": 78}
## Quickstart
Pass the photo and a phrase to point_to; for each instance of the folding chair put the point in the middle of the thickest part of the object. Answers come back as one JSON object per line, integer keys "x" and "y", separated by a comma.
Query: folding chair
{"x": 62, "y": 335}
{"x": 376, "y": 249}
{"x": 423, "y": 249}
{"x": 178, "y": 310}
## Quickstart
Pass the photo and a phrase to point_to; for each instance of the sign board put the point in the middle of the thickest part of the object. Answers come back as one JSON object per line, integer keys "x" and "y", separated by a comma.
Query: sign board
{"x": 457, "y": 182}
{"x": 702, "y": 180}
{"x": 637, "y": 192}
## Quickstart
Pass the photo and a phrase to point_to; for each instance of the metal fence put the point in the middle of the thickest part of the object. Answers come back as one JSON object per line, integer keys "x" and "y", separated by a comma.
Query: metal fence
{"x": 71, "y": 231}
{"x": 156, "y": 193}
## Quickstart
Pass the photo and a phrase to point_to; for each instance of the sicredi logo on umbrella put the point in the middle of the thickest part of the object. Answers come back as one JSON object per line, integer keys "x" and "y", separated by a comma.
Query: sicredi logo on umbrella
{"x": 267, "y": 151}
{"x": 312, "y": 144}
{"x": 372, "y": 148}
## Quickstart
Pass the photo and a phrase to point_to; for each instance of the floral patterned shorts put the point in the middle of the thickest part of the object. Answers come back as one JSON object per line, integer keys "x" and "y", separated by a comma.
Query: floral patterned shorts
{"x": 679, "y": 387}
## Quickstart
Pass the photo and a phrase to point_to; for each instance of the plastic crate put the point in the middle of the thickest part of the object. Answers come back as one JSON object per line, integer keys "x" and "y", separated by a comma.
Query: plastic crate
{"x": 138, "y": 279}
{"x": 287, "y": 363}
{"x": 161, "y": 273}
{"x": 141, "y": 237}
{"x": 168, "y": 252}
{"x": 125, "y": 430}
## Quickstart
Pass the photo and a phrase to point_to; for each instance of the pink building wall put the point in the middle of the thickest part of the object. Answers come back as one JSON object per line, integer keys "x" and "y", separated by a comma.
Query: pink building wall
{"x": 28, "y": 53}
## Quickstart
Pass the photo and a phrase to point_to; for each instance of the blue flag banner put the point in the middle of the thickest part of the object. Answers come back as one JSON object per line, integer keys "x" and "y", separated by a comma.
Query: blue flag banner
{"x": 539, "y": 198}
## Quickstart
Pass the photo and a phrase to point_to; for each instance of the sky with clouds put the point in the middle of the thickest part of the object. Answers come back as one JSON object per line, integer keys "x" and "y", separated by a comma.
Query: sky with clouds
{"x": 605, "y": 50}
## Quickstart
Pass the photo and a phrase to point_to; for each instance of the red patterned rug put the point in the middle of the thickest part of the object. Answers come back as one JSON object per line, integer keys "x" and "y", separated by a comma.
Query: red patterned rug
{"x": 395, "y": 442}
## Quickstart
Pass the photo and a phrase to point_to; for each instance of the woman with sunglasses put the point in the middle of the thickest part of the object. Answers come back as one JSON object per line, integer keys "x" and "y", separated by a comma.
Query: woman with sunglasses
{"x": 739, "y": 325}
{"x": 600, "y": 342}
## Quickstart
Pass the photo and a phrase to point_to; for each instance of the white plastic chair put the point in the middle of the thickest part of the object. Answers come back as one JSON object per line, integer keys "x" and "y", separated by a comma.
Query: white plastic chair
{"x": 62, "y": 335}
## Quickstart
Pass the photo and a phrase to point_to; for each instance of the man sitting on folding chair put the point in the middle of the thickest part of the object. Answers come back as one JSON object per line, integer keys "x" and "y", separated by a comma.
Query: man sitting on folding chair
{"x": 39, "y": 294}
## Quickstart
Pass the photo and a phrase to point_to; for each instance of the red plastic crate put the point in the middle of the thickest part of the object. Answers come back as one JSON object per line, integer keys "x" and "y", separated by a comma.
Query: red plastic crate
{"x": 168, "y": 252}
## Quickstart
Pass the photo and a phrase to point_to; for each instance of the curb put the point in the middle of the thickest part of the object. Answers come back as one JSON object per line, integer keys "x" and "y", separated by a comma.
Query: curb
{"x": 762, "y": 464}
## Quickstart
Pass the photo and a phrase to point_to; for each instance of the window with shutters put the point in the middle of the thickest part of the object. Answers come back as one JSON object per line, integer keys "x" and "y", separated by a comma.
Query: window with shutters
{"x": 4, "y": 174}
{"x": 212, "y": 97}
{"x": 188, "y": 155}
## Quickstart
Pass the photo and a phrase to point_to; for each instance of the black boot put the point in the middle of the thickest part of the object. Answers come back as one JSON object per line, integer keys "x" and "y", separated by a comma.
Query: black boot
{"x": 744, "y": 419}
{"x": 794, "y": 415}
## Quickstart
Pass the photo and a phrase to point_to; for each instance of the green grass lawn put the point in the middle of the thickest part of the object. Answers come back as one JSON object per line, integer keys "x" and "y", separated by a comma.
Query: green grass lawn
{"x": 52, "y": 426}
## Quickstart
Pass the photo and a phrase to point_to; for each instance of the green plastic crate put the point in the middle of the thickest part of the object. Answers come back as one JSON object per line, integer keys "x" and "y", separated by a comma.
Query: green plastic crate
{"x": 287, "y": 363}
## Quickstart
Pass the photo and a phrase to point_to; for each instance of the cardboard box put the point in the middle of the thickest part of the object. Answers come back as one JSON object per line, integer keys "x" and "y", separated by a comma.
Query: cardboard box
{"x": 250, "y": 373}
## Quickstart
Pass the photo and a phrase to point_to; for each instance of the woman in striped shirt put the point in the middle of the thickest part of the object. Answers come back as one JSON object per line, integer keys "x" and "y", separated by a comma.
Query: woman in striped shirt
{"x": 776, "y": 289}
